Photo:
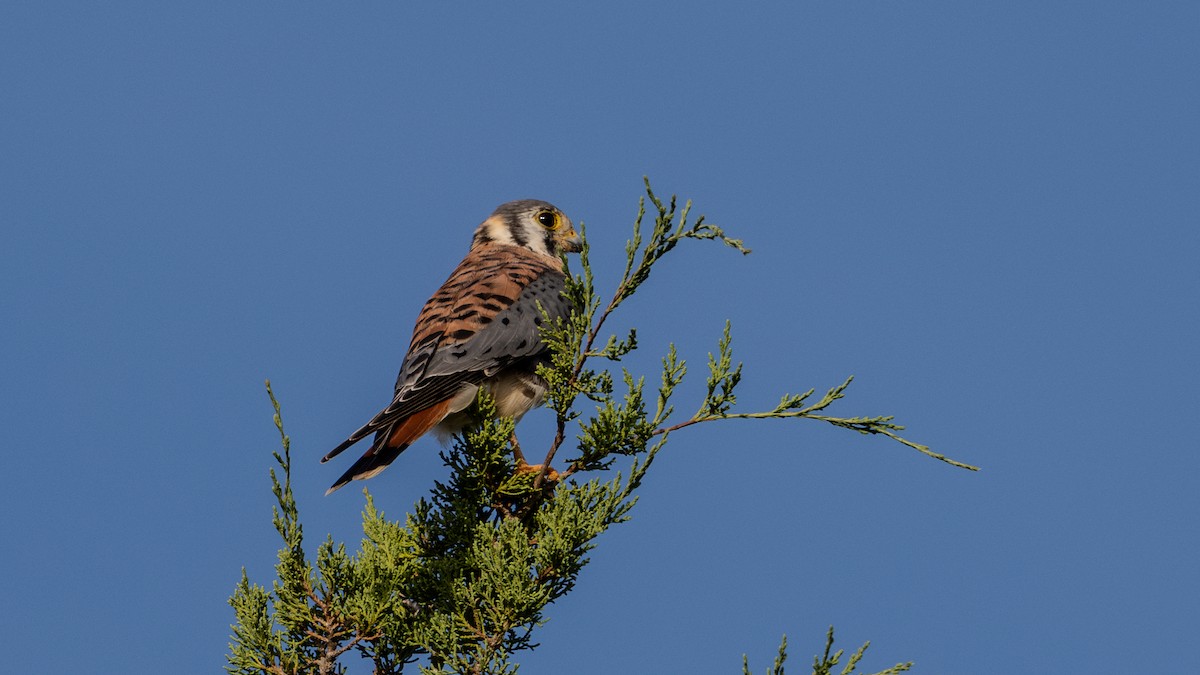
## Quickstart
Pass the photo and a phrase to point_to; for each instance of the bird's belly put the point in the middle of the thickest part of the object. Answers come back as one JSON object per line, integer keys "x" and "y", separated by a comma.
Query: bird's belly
{"x": 514, "y": 394}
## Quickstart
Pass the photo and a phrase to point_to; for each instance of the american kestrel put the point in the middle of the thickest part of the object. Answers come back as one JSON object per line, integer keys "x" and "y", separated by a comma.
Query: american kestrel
{"x": 480, "y": 329}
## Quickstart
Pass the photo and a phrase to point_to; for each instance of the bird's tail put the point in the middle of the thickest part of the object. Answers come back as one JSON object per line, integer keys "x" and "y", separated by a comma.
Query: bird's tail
{"x": 388, "y": 445}
{"x": 370, "y": 464}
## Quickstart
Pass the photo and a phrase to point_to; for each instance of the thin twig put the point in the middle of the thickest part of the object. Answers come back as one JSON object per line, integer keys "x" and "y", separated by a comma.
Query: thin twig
{"x": 560, "y": 431}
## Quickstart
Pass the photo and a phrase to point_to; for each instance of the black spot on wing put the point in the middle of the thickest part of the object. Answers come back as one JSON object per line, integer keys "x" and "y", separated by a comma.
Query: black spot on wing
{"x": 512, "y": 336}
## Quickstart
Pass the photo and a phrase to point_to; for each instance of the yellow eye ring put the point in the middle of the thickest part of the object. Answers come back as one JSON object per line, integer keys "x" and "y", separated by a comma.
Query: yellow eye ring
{"x": 548, "y": 220}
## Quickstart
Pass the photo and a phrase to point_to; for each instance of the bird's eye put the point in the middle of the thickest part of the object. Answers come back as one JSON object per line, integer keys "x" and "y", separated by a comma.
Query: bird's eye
{"x": 548, "y": 219}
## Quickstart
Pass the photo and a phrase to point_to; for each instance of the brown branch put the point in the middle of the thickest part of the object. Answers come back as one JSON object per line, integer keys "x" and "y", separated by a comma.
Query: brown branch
{"x": 332, "y": 630}
{"x": 273, "y": 668}
{"x": 662, "y": 431}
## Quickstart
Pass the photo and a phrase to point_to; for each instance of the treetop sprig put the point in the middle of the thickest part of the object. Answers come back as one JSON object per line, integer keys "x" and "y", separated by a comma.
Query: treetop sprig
{"x": 463, "y": 580}
{"x": 570, "y": 375}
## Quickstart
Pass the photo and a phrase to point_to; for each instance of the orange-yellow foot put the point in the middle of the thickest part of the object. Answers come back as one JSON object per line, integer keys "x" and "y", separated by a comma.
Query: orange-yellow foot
{"x": 522, "y": 467}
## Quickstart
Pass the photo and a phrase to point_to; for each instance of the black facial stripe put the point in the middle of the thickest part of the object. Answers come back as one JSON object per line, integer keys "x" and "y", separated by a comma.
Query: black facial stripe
{"x": 519, "y": 218}
{"x": 518, "y": 232}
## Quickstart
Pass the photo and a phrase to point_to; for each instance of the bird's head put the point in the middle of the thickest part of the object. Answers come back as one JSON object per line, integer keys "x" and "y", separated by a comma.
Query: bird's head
{"x": 534, "y": 224}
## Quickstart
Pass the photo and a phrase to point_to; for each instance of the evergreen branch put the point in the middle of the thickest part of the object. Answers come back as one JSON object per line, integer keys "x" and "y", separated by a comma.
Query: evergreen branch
{"x": 823, "y": 664}
{"x": 465, "y": 578}
{"x": 723, "y": 378}
{"x": 577, "y": 337}
{"x": 672, "y": 375}
{"x": 301, "y": 626}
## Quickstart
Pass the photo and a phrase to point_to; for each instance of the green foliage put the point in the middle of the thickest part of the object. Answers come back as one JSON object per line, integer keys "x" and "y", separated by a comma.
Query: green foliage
{"x": 823, "y": 664}
{"x": 461, "y": 583}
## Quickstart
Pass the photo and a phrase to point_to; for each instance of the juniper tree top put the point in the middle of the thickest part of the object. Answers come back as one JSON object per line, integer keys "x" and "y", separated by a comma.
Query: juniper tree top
{"x": 460, "y": 583}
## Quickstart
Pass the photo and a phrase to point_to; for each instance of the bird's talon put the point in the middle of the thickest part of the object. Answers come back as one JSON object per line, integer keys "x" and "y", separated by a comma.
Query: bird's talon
{"x": 523, "y": 467}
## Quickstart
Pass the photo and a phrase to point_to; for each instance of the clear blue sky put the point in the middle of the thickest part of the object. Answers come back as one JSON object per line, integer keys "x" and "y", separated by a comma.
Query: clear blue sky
{"x": 989, "y": 215}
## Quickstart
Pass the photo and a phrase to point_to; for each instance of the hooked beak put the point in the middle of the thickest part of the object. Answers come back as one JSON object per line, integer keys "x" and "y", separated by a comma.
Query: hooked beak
{"x": 571, "y": 242}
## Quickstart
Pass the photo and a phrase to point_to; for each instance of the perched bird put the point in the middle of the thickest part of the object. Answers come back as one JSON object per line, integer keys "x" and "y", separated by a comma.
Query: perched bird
{"x": 480, "y": 329}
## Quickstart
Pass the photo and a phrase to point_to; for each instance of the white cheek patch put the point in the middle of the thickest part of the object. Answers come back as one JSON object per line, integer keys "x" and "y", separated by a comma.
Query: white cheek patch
{"x": 495, "y": 231}
{"x": 527, "y": 234}
{"x": 501, "y": 234}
